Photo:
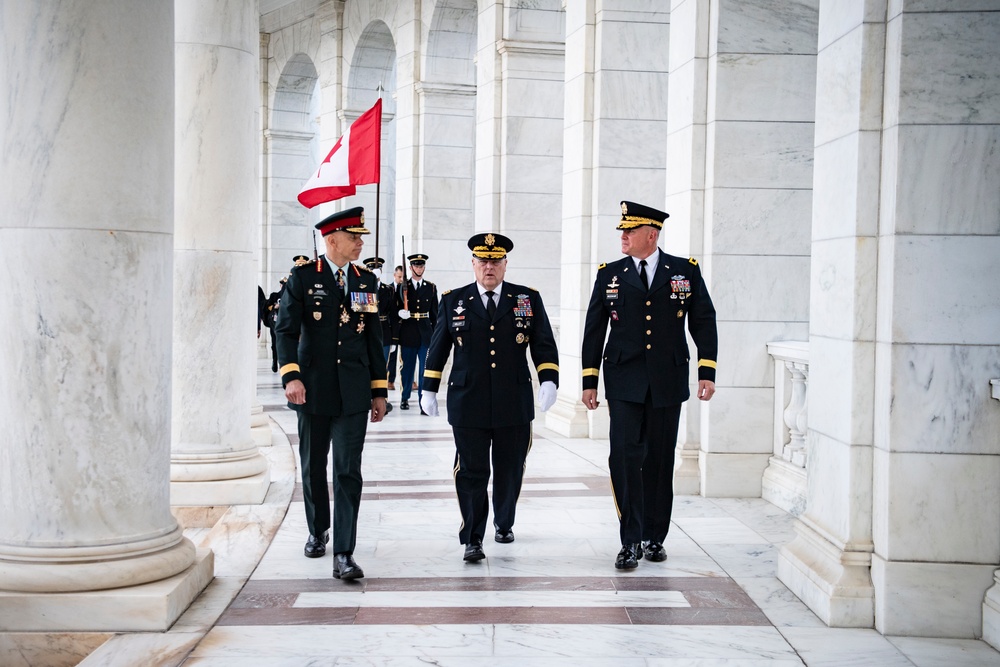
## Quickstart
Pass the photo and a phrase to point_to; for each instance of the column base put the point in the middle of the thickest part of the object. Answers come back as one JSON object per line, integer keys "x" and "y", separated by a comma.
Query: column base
{"x": 687, "y": 472}
{"x": 920, "y": 599}
{"x": 151, "y": 607}
{"x": 834, "y": 583}
{"x": 991, "y": 614}
{"x": 261, "y": 435}
{"x": 242, "y": 491}
{"x": 567, "y": 419}
{"x": 731, "y": 475}
{"x": 784, "y": 485}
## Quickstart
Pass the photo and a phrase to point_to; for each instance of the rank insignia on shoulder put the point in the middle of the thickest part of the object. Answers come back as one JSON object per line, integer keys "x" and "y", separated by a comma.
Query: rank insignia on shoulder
{"x": 446, "y": 292}
{"x": 603, "y": 264}
{"x": 693, "y": 261}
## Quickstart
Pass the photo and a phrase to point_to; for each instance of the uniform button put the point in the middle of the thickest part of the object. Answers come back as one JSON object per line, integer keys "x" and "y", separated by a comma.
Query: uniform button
{"x": 648, "y": 346}
{"x": 493, "y": 340}
{"x": 340, "y": 342}
{"x": 492, "y": 327}
{"x": 649, "y": 303}
{"x": 649, "y": 317}
{"x": 492, "y": 352}
{"x": 648, "y": 332}
{"x": 493, "y": 365}
{"x": 338, "y": 361}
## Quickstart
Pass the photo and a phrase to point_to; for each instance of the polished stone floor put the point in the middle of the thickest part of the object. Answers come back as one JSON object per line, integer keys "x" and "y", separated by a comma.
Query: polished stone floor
{"x": 552, "y": 597}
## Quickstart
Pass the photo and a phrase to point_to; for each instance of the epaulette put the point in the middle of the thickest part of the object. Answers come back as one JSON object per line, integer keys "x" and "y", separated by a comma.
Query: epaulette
{"x": 533, "y": 289}
{"x": 693, "y": 261}
{"x": 363, "y": 268}
{"x": 311, "y": 262}
{"x": 603, "y": 264}
{"x": 447, "y": 291}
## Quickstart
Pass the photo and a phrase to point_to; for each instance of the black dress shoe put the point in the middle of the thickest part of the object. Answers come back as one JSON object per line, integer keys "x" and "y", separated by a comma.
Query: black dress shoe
{"x": 629, "y": 557}
{"x": 654, "y": 551}
{"x": 504, "y": 536}
{"x": 345, "y": 568}
{"x": 404, "y": 404}
{"x": 474, "y": 551}
{"x": 316, "y": 546}
{"x": 422, "y": 412}
{"x": 388, "y": 407}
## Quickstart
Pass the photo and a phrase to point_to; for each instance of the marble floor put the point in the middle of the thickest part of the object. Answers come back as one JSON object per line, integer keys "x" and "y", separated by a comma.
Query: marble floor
{"x": 552, "y": 597}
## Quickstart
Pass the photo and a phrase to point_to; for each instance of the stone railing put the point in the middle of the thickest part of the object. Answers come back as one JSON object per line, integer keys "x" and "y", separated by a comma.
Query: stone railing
{"x": 785, "y": 479}
{"x": 991, "y": 604}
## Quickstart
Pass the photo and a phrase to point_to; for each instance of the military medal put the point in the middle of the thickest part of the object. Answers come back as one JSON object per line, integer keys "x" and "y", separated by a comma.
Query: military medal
{"x": 361, "y": 326}
{"x": 344, "y": 316}
{"x": 519, "y": 338}
{"x": 317, "y": 315}
{"x": 680, "y": 313}
{"x": 364, "y": 302}
{"x": 458, "y": 339}
{"x": 523, "y": 306}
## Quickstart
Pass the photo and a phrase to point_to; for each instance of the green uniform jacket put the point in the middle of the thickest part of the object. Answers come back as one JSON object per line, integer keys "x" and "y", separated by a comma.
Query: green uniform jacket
{"x": 647, "y": 349}
{"x": 332, "y": 342}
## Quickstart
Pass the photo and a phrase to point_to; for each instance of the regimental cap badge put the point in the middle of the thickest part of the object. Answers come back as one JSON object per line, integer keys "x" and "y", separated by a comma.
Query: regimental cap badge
{"x": 352, "y": 220}
{"x": 490, "y": 246}
{"x": 636, "y": 215}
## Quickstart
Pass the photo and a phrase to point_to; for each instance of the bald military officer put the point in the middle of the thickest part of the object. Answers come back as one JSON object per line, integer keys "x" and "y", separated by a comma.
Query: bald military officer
{"x": 647, "y": 297}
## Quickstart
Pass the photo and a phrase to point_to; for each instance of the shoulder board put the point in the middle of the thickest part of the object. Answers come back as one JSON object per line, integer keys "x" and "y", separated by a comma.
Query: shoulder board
{"x": 533, "y": 289}
{"x": 362, "y": 267}
{"x": 310, "y": 263}
{"x": 603, "y": 264}
{"x": 693, "y": 261}
{"x": 447, "y": 291}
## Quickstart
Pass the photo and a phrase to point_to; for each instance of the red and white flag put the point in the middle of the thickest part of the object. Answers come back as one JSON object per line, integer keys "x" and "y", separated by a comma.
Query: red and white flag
{"x": 354, "y": 160}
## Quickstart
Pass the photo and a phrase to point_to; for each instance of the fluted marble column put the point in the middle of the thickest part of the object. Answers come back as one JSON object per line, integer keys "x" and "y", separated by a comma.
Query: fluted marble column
{"x": 214, "y": 459}
{"x": 86, "y": 186}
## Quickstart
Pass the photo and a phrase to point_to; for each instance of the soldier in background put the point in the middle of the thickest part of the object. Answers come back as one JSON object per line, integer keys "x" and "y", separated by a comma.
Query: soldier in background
{"x": 393, "y": 358}
{"x": 417, "y": 301}
{"x": 388, "y": 315}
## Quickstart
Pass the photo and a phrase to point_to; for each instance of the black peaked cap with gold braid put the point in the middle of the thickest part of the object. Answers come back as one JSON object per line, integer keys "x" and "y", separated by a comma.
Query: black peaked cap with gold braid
{"x": 636, "y": 215}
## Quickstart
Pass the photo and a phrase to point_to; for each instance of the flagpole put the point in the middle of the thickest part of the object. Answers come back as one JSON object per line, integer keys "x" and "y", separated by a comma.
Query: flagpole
{"x": 378, "y": 184}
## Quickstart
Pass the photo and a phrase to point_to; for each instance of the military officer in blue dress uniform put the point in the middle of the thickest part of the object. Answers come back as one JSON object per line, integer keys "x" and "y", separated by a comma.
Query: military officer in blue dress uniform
{"x": 388, "y": 315}
{"x": 333, "y": 369}
{"x": 647, "y": 297}
{"x": 491, "y": 325}
{"x": 417, "y": 300}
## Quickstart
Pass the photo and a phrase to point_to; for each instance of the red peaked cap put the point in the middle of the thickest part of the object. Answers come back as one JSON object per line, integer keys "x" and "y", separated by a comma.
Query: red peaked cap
{"x": 351, "y": 220}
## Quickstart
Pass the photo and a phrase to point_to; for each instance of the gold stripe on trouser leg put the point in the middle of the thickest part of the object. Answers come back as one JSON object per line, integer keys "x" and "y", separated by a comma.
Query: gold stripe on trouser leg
{"x": 614, "y": 496}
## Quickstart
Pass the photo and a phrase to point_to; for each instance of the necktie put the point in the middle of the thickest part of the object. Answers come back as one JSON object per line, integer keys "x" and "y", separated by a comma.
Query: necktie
{"x": 340, "y": 280}
{"x": 491, "y": 306}
{"x": 642, "y": 274}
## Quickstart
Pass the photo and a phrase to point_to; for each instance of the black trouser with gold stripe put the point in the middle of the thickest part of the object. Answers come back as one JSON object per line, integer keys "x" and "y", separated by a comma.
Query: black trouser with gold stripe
{"x": 509, "y": 451}
{"x": 347, "y": 433}
{"x": 643, "y": 440}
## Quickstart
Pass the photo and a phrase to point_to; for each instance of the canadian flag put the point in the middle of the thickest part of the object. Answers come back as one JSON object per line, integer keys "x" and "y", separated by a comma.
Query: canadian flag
{"x": 354, "y": 160}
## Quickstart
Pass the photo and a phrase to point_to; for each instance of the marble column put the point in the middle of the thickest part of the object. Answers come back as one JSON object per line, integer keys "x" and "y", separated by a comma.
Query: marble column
{"x": 519, "y": 105}
{"x": 739, "y": 189}
{"x": 214, "y": 459}
{"x": 614, "y": 138}
{"x": 87, "y": 540}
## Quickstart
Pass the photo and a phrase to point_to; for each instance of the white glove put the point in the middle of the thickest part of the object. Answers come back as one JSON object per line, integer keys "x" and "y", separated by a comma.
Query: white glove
{"x": 429, "y": 403}
{"x": 392, "y": 348}
{"x": 378, "y": 273}
{"x": 546, "y": 395}
{"x": 404, "y": 314}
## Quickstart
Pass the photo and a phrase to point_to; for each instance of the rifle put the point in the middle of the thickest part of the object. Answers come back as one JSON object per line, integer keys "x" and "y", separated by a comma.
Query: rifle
{"x": 405, "y": 286}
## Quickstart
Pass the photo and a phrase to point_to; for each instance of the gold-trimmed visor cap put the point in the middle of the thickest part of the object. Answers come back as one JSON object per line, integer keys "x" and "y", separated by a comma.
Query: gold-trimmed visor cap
{"x": 419, "y": 258}
{"x": 636, "y": 215}
{"x": 352, "y": 220}
{"x": 490, "y": 245}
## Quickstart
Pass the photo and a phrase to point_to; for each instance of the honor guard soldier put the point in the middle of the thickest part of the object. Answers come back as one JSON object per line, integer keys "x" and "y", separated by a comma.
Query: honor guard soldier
{"x": 491, "y": 325}
{"x": 333, "y": 371}
{"x": 272, "y": 305}
{"x": 417, "y": 301}
{"x": 388, "y": 316}
{"x": 647, "y": 297}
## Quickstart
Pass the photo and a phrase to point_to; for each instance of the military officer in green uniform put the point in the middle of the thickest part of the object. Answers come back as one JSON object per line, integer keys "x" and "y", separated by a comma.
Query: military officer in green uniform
{"x": 333, "y": 370}
{"x": 647, "y": 297}
{"x": 490, "y": 325}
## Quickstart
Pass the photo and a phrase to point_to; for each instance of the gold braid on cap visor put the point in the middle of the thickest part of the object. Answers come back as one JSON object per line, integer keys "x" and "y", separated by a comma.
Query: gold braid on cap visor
{"x": 484, "y": 252}
{"x": 630, "y": 221}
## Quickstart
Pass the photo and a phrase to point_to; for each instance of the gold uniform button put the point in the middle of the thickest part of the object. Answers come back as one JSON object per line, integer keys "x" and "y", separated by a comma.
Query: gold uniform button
{"x": 648, "y": 347}
{"x": 493, "y": 340}
{"x": 493, "y": 365}
{"x": 338, "y": 361}
{"x": 649, "y": 303}
{"x": 492, "y": 327}
{"x": 648, "y": 332}
{"x": 649, "y": 317}
{"x": 492, "y": 352}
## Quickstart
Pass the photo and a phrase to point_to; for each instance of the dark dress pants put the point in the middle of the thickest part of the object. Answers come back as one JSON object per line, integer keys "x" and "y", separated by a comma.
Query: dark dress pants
{"x": 347, "y": 433}
{"x": 509, "y": 447}
{"x": 412, "y": 358}
{"x": 643, "y": 440}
